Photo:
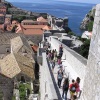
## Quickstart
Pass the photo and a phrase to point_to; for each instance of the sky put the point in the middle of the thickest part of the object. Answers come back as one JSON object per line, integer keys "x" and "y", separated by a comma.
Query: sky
{"x": 81, "y": 1}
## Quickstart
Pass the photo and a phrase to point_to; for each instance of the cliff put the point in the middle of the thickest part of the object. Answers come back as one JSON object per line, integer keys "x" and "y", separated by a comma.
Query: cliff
{"x": 11, "y": 9}
{"x": 88, "y": 19}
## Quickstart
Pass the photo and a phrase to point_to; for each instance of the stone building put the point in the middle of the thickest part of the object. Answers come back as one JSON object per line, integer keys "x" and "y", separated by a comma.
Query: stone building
{"x": 42, "y": 21}
{"x": 2, "y": 18}
{"x": 6, "y": 87}
{"x": 27, "y": 22}
{"x": 58, "y": 23}
{"x": 2, "y": 1}
{"x": 5, "y": 46}
{"x": 17, "y": 66}
{"x": 3, "y": 8}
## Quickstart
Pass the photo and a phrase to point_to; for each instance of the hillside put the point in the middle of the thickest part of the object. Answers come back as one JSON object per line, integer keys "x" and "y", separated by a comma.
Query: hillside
{"x": 87, "y": 22}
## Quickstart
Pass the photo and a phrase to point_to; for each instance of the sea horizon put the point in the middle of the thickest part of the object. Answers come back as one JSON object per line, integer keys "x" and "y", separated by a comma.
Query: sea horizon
{"x": 39, "y": 1}
{"x": 74, "y": 11}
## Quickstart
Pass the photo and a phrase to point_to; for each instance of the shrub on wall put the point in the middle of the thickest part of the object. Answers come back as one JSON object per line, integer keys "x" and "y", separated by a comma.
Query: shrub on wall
{"x": 84, "y": 49}
{"x": 90, "y": 26}
{"x": 22, "y": 91}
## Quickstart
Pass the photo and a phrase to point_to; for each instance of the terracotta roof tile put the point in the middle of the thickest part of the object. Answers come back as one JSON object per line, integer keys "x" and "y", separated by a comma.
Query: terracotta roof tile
{"x": 25, "y": 21}
{"x": 41, "y": 19}
{"x": 1, "y": 14}
{"x": 46, "y": 28}
{"x": 35, "y": 48}
{"x": 33, "y": 26}
{"x": 30, "y": 29}
{"x": 1, "y": 26}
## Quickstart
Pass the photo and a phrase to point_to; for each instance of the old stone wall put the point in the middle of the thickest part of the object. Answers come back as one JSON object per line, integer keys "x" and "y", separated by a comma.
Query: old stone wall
{"x": 91, "y": 90}
{"x": 47, "y": 88}
{"x": 76, "y": 61}
{"x": 4, "y": 48}
{"x": 6, "y": 87}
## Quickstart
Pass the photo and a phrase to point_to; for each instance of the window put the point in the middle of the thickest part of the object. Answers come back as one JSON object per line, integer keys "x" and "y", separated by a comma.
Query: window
{"x": 23, "y": 79}
{"x": 8, "y": 50}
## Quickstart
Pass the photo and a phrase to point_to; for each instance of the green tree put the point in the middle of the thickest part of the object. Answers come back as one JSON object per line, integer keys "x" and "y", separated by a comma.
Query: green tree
{"x": 71, "y": 33}
{"x": 22, "y": 91}
{"x": 19, "y": 18}
{"x": 90, "y": 26}
{"x": 84, "y": 49}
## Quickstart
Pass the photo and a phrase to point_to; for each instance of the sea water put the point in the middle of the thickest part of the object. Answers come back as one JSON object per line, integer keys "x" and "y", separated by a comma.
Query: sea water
{"x": 74, "y": 11}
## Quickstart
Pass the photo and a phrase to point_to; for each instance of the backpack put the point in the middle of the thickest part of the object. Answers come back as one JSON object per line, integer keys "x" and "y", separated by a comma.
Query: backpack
{"x": 60, "y": 75}
{"x": 73, "y": 88}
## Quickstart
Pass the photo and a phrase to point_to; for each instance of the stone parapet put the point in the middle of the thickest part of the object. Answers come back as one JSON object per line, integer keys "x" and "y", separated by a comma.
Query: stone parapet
{"x": 47, "y": 88}
{"x": 91, "y": 89}
{"x": 75, "y": 60}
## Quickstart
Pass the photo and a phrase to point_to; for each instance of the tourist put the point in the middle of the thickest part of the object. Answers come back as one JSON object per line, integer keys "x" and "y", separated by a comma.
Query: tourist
{"x": 65, "y": 88}
{"x": 59, "y": 60}
{"x": 47, "y": 51}
{"x": 60, "y": 51}
{"x": 60, "y": 65}
{"x": 59, "y": 77}
{"x": 53, "y": 65}
{"x": 52, "y": 55}
{"x": 49, "y": 55}
{"x": 72, "y": 88}
{"x": 77, "y": 85}
{"x": 55, "y": 55}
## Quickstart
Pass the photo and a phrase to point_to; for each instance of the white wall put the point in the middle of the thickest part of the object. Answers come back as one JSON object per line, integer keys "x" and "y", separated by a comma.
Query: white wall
{"x": 77, "y": 62}
{"x": 91, "y": 90}
{"x": 46, "y": 83}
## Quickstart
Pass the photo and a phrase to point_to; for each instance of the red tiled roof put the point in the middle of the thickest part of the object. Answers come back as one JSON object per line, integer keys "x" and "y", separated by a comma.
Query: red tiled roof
{"x": 1, "y": 26}
{"x": 25, "y": 21}
{"x": 2, "y": 7}
{"x": 46, "y": 28}
{"x": 32, "y": 29}
{"x": 33, "y": 26}
{"x": 35, "y": 48}
{"x": 29, "y": 30}
{"x": 41, "y": 19}
{"x": 1, "y": 14}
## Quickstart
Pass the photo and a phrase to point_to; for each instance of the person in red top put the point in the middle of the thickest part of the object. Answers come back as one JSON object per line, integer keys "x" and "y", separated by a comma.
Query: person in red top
{"x": 77, "y": 85}
{"x": 72, "y": 88}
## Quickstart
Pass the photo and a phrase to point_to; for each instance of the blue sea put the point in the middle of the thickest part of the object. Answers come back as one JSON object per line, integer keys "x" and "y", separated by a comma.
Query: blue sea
{"x": 74, "y": 11}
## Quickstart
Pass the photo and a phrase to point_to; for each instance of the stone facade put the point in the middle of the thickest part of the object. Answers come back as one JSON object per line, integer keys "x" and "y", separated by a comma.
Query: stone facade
{"x": 91, "y": 90}
{"x": 6, "y": 86}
